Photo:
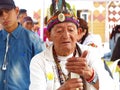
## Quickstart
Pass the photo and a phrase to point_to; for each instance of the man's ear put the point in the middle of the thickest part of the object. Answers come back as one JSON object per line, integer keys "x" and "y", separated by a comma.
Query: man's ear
{"x": 48, "y": 35}
{"x": 84, "y": 32}
{"x": 79, "y": 33}
{"x": 17, "y": 10}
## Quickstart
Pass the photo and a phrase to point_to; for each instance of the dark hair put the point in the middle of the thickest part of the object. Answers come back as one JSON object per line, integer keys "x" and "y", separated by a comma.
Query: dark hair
{"x": 84, "y": 25}
{"x": 115, "y": 31}
{"x": 116, "y": 52}
{"x": 27, "y": 18}
{"x": 45, "y": 20}
{"x": 22, "y": 11}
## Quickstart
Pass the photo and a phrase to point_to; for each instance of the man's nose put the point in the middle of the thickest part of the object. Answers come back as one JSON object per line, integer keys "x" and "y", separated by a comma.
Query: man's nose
{"x": 65, "y": 34}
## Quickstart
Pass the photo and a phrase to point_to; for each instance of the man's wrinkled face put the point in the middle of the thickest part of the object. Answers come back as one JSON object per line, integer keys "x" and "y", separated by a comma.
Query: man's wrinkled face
{"x": 64, "y": 36}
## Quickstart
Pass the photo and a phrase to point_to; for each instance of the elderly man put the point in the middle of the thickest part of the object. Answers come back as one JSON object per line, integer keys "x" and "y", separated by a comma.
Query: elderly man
{"x": 17, "y": 47}
{"x": 67, "y": 65}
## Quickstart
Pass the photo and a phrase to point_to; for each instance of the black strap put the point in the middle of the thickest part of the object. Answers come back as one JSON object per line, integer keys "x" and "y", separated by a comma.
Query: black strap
{"x": 83, "y": 80}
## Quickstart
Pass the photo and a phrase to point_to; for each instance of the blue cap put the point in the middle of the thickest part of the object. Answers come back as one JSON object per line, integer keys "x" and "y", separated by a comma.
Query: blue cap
{"x": 7, "y": 4}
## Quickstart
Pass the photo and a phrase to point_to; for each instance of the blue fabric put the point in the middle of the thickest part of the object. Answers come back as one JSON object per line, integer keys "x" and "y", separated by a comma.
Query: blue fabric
{"x": 23, "y": 45}
{"x": 60, "y": 4}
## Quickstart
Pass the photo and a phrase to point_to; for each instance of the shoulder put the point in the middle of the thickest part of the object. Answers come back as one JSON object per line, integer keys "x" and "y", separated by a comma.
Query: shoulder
{"x": 32, "y": 38}
{"x": 28, "y": 32}
{"x": 1, "y": 35}
{"x": 42, "y": 57}
{"x": 94, "y": 37}
{"x": 93, "y": 53}
{"x": 86, "y": 47}
{"x": 89, "y": 49}
{"x": 46, "y": 54}
{"x": 0, "y": 32}
{"x": 31, "y": 35}
{"x": 93, "y": 40}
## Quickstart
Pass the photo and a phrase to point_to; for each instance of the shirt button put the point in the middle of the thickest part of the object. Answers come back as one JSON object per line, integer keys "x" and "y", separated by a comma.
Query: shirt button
{"x": 4, "y": 81}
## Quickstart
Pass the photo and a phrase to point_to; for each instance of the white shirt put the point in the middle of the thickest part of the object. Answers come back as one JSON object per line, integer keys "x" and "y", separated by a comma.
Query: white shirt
{"x": 43, "y": 72}
{"x": 96, "y": 40}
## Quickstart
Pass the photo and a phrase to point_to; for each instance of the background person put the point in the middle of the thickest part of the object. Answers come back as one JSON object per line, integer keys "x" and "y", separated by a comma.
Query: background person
{"x": 17, "y": 47}
{"x": 1, "y": 27}
{"x": 87, "y": 38}
{"x": 113, "y": 37}
{"x": 28, "y": 23}
{"x": 21, "y": 15}
{"x": 116, "y": 50}
{"x": 36, "y": 28}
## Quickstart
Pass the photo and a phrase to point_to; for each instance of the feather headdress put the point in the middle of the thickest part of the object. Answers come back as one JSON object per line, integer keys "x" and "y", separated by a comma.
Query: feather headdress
{"x": 61, "y": 12}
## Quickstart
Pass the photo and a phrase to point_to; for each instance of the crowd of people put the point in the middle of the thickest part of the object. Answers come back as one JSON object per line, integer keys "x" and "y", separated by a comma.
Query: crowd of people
{"x": 72, "y": 60}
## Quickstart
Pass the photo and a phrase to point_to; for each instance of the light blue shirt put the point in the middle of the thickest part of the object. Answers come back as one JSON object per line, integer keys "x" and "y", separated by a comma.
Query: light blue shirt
{"x": 23, "y": 45}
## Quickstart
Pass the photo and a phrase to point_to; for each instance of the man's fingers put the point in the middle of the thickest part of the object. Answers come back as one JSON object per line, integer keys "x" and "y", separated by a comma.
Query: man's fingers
{"x": 84, "y": 54}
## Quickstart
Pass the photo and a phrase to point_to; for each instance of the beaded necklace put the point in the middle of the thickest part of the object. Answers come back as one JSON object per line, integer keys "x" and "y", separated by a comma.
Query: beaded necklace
{"x": 61, "y": 75}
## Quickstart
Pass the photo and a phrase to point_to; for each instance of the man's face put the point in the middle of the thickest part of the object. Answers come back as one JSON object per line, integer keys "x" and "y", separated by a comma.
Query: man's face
{"x": 56, "y": 0}
{"x": 28, "y": 25}
{"x": 22, "y": 16}
{"x": 8, "y": 17}
{"x": 64, "y": 36}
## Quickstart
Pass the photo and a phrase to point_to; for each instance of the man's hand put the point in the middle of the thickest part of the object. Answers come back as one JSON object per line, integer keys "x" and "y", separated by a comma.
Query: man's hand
{"x": 79, "y": 65}
{"x": 72, "y": 84}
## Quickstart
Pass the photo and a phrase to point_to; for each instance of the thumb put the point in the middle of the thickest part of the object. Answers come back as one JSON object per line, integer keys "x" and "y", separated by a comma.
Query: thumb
{"x": 84, "y": 54}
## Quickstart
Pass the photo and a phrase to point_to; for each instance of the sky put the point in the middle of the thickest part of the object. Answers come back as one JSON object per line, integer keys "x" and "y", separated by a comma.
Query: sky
{"x": 29, "y": 5}
{"x": 34, "y": 5}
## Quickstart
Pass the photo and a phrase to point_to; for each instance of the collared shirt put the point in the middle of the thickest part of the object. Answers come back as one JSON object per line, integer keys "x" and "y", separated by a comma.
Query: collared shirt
{"x": 22, "y": 46}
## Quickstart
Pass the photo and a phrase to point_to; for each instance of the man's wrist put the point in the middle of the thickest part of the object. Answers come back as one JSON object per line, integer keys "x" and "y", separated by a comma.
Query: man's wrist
{"x": 93, "y": 78}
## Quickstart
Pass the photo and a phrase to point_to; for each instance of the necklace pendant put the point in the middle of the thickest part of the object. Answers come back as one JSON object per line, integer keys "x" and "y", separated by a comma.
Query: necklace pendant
{"x": 4, "y": 67}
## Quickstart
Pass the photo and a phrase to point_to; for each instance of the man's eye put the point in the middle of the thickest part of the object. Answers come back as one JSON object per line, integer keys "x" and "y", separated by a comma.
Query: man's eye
{"x": 6, "y": 10}
{"x": 71, "y": 30}
{"x": 1, "y": 13}
{"x": 59, "y": 30}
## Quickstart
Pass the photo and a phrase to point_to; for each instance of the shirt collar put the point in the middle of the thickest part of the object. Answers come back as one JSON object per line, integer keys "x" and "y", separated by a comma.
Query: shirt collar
{"x": 15, "y": 33}
{"x": 49, "y": 55}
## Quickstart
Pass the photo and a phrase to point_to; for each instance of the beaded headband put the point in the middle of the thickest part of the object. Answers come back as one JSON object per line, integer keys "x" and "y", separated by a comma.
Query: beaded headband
{"x": 61, "y": 17}
{"x": 61, "y": 12}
